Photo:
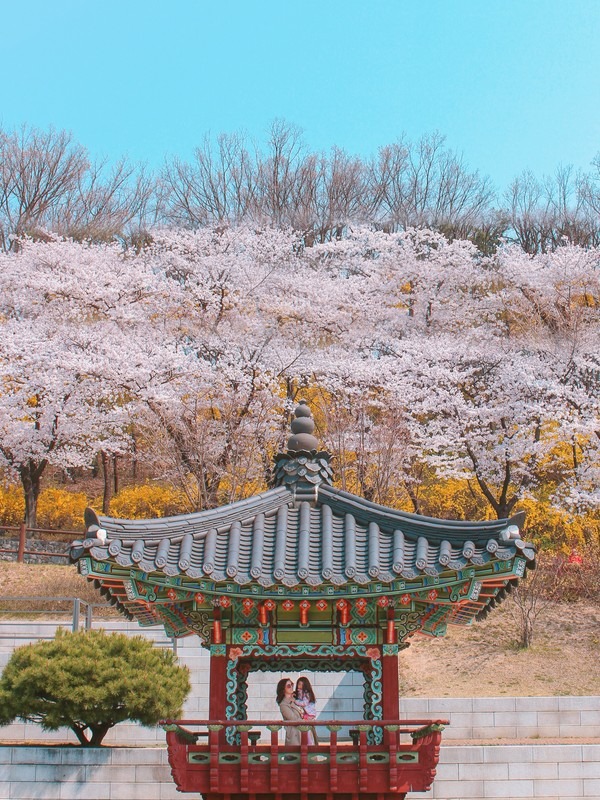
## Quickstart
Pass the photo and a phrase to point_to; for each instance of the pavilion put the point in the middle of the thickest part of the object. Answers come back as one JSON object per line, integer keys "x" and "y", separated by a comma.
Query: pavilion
{"x": 303, "y": 576}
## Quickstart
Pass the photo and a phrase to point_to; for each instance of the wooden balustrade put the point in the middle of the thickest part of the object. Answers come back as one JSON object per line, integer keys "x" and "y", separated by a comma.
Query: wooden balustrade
{"x": 401, "y": 756}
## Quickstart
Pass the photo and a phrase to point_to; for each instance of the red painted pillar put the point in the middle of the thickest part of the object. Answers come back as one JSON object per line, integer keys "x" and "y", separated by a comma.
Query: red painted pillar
{"x": 218, "y": 681}
{"x": 390, "y": 700}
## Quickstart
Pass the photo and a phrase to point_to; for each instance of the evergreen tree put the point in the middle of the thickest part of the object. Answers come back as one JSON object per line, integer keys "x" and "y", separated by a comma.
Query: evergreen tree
{"x": 90, "y": 681}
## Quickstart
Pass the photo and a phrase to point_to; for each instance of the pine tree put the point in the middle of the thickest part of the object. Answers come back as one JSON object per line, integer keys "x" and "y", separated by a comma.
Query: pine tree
{"x": 90, "y": 681}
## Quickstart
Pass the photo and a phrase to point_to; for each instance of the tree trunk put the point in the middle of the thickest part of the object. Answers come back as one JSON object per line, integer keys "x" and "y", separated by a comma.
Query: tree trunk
{"x": 99, "y": 731}
{"x": 506, "y": 506}
{"x": 107, "y": 492}
{"x": 79, "y": 732}
{"x": 31, "y": 478}
{"x": 115, "y": 474}
{"x": 526, "y": 631}
{"x": 134, "y": 461}
{"x": 413, "y": 497}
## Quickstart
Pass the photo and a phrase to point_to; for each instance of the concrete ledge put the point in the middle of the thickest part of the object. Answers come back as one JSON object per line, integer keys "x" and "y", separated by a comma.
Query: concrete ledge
{"x": 470, "y": 718}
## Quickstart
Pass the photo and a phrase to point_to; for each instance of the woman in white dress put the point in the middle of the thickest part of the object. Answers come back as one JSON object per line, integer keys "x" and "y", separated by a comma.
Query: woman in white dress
{"x": 305, "y": 698}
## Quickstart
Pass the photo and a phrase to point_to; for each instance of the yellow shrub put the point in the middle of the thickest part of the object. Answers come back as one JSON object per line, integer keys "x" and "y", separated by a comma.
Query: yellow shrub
{"x": 12, "y": 505}
{"x": 148, "y": 500}
{"x": 453, "y": 499}
{"x": 61, "y": 509}
{"x": 249, "y": 488}
{"x": 556, "y": 530}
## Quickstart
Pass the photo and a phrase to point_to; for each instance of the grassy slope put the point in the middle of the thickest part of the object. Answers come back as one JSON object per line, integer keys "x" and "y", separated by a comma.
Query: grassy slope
{"x": 478, "y": 661}
{"x": 48, "y": 580}
{"x": 483, "y": 660}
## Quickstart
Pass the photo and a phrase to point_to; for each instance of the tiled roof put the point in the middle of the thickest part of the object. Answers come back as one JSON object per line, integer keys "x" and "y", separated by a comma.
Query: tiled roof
{"x": 308, "y": 537}
{"x": 272, "y": 540}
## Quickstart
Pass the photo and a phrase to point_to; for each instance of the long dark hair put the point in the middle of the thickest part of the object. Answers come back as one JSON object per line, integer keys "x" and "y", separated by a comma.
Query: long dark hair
{"x": 281, "y": 689}
{"x": 306, "y": 688}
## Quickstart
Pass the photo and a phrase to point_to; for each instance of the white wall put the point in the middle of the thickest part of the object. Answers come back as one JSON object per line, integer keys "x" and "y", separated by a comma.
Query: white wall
{"x": 338, "y": 694}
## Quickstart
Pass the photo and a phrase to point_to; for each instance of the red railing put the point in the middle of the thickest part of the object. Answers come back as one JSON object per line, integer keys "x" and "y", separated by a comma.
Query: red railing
{"x": 403, "y": 759}
{"x": 22, "y": 550}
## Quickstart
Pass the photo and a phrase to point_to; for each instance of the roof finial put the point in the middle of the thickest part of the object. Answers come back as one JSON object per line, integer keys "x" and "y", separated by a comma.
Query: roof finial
{"x": 302, "y": 469}
{"x": 302, "y": 427}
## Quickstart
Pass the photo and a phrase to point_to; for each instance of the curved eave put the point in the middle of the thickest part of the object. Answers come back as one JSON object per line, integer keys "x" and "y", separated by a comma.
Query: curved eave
{"x": 269, "y": 541}
{"x": 435, "y": 530}
{"x": 454, "y": 600}
{"x": 197, "y": 524}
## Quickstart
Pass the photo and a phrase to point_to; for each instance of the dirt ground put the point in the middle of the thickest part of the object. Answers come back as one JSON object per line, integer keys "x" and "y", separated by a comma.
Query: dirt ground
{"x": 43, "y": 580}
{"x": 482, "y": 660}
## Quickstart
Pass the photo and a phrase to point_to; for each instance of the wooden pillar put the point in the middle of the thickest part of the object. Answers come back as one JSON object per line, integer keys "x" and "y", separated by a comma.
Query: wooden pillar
{"x": 390, "y": 700}
{"x": 21, "y": 548}
{"x": 218, "y": 682}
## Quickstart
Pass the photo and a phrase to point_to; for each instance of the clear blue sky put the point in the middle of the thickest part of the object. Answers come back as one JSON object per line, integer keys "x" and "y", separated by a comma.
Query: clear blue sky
{"x": 512, "y": 84}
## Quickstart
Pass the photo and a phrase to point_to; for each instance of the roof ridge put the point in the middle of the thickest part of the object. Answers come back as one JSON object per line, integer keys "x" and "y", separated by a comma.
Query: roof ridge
{"x": 369, "y": 509}
{"x": 207, "y": 518}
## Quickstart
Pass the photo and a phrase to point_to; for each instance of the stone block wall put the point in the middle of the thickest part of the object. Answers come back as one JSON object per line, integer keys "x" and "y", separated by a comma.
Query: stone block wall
{"x": 72, "y": 773}
{"x": 543, "y": 772}
{"x": 474, "y": 772}
{"x": 540, "y": 771}
{"x": 338, "y": 695}
{"x": 510, "y": 717}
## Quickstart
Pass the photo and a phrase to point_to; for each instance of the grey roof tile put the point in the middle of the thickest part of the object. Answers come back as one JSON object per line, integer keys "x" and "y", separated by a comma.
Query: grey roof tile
{"x": 271, "y": 539}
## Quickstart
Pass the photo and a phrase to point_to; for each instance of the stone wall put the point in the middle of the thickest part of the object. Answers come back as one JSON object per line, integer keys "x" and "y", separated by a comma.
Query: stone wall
{"x": 477, "y": 772}
{"x": 338, "y": 695}
{"x": 544, "y": 772}
{"x": 41, "y": 546}
{"x": 510, "y": 717}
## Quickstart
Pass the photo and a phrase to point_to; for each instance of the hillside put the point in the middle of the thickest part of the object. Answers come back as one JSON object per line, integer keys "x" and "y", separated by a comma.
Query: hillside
{"x": 480, "y": 661}
{"x": 483, "y": 660}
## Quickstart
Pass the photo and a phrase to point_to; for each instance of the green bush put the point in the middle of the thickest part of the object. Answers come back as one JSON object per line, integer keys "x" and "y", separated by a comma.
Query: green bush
{"x": 90, "y": 681}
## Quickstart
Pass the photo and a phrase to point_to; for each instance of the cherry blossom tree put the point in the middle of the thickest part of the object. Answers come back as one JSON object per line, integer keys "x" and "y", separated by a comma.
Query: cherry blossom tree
{"x": 70, "y": 319}
{"x": 225, "y": 314}
{"x": 555, "y": 312}
{"x": 490, "y": 362}
{"x": 421, "y": 355}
